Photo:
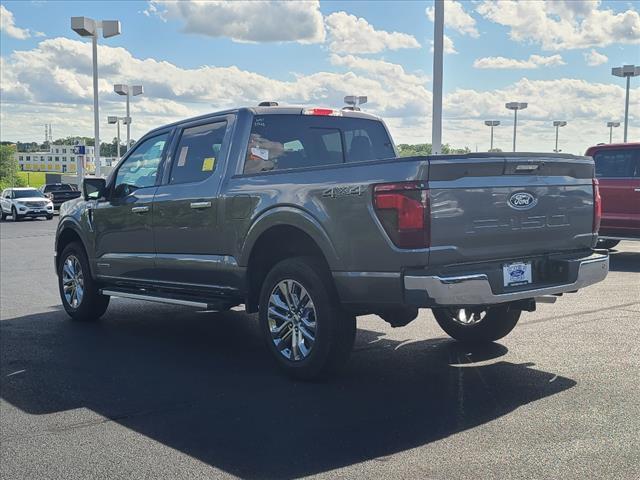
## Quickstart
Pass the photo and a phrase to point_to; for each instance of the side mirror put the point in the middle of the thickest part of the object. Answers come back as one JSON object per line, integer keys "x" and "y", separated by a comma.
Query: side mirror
{"x": 93, "y": 188}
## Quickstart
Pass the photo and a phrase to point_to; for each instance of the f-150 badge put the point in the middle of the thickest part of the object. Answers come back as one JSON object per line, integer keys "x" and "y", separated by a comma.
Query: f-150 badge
{"x": 343, "y": 191}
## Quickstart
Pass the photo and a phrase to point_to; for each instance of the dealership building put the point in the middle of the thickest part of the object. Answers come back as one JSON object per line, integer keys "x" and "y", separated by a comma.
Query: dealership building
{"x": 61, "y": 159}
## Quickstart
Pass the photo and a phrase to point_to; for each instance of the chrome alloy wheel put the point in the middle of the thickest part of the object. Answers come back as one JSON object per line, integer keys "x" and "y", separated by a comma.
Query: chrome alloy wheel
{"x": 292, "y": 320}
{"x": 72, "y": 281}
{"x": 467, "y": 316}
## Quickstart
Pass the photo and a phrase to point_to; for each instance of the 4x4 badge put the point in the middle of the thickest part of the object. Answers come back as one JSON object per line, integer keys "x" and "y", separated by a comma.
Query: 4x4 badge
{"x": 345, "y": 191}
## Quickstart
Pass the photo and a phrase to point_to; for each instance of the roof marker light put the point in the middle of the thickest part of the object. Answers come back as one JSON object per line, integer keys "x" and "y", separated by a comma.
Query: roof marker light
{"x": 322, "y": 111}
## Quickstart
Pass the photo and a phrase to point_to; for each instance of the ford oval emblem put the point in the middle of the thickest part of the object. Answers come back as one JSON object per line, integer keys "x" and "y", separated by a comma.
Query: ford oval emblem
{"x": 522, "y": 201}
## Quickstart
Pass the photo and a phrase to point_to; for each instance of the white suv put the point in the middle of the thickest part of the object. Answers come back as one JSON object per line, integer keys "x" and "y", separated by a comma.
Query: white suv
{"x": 25, "y": 202}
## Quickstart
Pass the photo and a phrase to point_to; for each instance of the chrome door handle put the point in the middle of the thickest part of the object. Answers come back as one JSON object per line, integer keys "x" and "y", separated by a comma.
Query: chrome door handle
{"x": 198, "y": 205}
{"x": 140, "y": 209}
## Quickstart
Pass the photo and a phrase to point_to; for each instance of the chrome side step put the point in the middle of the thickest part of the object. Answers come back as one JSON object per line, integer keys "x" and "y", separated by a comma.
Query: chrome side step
{"x": 153, "y": 298}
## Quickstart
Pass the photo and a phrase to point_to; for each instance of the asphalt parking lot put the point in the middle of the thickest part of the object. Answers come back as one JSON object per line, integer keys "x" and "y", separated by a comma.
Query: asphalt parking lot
{"x": 154, "y": 391}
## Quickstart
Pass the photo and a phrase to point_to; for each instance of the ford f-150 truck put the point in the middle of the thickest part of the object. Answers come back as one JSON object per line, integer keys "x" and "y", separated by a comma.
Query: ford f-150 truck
{"x": 309, "y": 217}
{"x": 618, "y": 172}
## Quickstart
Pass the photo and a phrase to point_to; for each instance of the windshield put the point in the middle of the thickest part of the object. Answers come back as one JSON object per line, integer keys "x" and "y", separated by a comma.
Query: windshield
{"x": 32, "y": 192}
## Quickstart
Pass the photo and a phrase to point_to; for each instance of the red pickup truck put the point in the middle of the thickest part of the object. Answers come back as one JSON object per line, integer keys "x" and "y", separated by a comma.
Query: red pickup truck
{"x": 618, "y": 171}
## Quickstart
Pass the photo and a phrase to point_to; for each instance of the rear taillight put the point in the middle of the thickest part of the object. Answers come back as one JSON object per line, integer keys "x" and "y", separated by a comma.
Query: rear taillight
{"x": 403, "y": 210}
{"x": 597, "y": 206}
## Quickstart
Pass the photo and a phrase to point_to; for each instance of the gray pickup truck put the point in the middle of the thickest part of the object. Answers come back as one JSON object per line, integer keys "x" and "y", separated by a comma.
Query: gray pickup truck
{"x": 309, "y": 217}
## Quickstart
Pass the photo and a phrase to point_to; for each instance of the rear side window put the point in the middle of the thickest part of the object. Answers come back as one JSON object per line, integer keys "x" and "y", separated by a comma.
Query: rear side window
{"x": 198, "y": 151}
{"x": 280, "y": 142}
{"x": 623, "y": 163}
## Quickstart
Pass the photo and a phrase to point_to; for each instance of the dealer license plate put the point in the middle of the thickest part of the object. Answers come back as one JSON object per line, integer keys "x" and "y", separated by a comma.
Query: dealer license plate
{"x": 518, "y": 273}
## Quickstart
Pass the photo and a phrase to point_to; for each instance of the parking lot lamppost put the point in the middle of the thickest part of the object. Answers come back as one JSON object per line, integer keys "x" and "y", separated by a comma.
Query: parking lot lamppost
{"x": 491, "y": 123}
{"x": 128, "y": 91}
{"x": 611, "y": 126}
{"x": 626, "y": 71}
{"x": 111, "y": 120}
{"x": 515, "y": 106}
{"x": 438, "y": 52}
{"x": 88, "y": 27}
{"x": 558, "y": 124}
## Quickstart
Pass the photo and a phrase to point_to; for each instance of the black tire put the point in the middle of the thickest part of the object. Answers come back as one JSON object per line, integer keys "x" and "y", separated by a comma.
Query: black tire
{"x": 14, "y": 215}
{"x": 3, "y": 216}
{"x": 498, "y": 321}
{"x": 49, "y": 217}
{"x": 608, "y": 244}
{"x": 334, "y": 331}
{"x": 92, "y": 304}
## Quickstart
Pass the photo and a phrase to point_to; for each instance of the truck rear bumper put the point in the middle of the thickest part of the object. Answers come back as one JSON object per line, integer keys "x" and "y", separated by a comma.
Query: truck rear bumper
{"x": 476, "y": 289}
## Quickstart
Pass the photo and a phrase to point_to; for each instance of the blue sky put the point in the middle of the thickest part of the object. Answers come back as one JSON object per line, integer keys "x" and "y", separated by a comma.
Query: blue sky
{"x": 320, "y": 54}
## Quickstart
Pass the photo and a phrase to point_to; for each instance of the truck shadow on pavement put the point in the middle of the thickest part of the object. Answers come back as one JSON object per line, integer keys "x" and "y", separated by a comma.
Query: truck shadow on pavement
{"x": 624, "y": 262}
{"x": 203, "y": 384}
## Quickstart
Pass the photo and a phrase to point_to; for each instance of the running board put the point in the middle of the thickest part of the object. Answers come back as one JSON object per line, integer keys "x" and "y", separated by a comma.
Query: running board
{"x": 153, "y": 298}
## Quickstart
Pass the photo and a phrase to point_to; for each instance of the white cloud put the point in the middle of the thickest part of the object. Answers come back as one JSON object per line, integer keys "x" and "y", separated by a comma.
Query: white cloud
{"x": 8, "y": 25}
{"x": 534, "y": 61}
{"x": 595, "y": 58}
{"x": 51, "y": 83}
{"x": 456, "y": 18}
{"x": 350, "y": 34}
{"x": 560, "y": 25}
{"x": 448, "y": 46}
{"x": 252, "y": 21}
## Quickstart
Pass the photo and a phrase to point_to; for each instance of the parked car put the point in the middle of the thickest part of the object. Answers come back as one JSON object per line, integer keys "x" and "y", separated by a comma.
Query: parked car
{"x": 21, "y": 203}
{"x": 308, "y": 217}
{"x": 618, "y": 172}
{"x": 59, "y": 193}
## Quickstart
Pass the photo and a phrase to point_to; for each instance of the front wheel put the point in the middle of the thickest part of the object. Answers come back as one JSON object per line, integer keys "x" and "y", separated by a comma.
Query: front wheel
{"x": 14, "y": 215}
{"x": 477, "y": 324}
{"x": 306, "y": 331}
{"x": 79, "y": 294}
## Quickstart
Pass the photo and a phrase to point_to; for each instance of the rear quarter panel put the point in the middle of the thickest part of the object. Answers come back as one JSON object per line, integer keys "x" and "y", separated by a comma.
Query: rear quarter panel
{"x": 334, "y": 205}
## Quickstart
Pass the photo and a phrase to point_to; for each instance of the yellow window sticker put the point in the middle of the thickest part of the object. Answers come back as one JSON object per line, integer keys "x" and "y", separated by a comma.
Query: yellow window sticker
{"x": 208, "y": 164}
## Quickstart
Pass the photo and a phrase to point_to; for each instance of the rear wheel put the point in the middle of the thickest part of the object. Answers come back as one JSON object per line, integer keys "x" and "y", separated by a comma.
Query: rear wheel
{"x": 78, "y": 291}
{"x": 608, "y": 244}
{"x": 477, "y": 324}
{"x": 304, "y": 327}
{"x": 3, "y": 216}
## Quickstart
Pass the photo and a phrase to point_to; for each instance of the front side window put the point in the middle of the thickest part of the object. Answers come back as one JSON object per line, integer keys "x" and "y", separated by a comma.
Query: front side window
{"x": 279, "y": 142}
{"x": 198, "y": 152}
{"x": 140, "y": 169}
{"x": 616, "y": 163}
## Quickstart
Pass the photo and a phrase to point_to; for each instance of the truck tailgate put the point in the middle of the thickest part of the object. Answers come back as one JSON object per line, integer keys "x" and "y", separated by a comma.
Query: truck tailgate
{"x": 506, "y": 206}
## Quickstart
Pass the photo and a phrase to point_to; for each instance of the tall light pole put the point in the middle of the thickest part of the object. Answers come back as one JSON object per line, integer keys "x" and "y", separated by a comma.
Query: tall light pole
{"x": 626, "y": 71}
{"x": 129, "y": 91}
{"x": 558, "y": 124}
{"x": 611, "y": 125}
{"x": 88, "y": 27}
{"x": 438, "y": 45}
{"x": 491, "y": 123}
{"x": 515, "y": 106}
{"x": 111, "y": 120}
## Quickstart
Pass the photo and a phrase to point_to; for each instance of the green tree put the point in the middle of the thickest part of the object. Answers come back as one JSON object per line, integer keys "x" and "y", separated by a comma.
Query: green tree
{"x": 9, "y": 167}
{"x": 417, "y": 149}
